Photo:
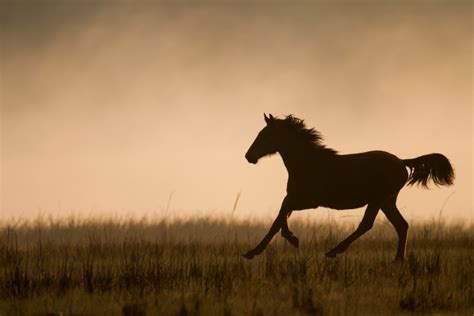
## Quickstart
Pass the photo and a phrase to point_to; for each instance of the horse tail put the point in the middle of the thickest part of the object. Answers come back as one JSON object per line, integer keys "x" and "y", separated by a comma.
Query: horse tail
{"x": 433, "y": 166}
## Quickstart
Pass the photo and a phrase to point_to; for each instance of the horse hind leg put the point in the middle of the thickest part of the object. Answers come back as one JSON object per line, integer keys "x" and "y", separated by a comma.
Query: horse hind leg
{"x": 401, "y": 226}
{"x": 364, "y": 226}
{"x": 287, "y": 234}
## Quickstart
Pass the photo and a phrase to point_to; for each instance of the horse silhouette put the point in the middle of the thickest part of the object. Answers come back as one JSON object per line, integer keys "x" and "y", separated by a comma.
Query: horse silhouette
{"x": 319, "y": 176}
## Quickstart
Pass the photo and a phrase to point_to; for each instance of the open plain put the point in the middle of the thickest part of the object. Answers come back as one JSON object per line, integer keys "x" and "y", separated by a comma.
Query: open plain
{"x": 195, "y": 267}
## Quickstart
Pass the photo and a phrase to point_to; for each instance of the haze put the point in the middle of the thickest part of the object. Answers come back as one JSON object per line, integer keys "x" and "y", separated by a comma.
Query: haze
{"x": 121, "y": 109}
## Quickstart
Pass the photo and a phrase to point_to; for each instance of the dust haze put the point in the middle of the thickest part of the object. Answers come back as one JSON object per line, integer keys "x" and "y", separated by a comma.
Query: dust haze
{"x": 121, "y": 109}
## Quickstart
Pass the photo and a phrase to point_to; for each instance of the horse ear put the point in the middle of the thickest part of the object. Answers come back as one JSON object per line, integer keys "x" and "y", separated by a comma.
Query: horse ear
{"x": 268, "y": 119}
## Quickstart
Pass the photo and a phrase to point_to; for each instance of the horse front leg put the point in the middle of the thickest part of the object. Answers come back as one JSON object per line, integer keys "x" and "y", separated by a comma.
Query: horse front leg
{"x": 279, "y": 222}
{"x": 287, "y": 234}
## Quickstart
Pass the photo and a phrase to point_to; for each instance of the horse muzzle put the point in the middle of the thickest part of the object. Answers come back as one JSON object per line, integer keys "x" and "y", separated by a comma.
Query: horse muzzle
{"x": 250, "y": 158}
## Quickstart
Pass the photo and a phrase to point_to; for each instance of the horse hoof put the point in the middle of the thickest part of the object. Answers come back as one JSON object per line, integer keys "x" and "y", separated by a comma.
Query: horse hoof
{"x": 294, "y": 241}
{"x": 249, "y": 255}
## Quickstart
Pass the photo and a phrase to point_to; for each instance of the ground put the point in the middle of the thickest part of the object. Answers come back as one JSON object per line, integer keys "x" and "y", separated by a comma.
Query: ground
{"x": 195, "y": 267}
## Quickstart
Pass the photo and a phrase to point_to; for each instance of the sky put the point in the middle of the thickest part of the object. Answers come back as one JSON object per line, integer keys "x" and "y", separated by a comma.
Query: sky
{"x": 147, "y": 108}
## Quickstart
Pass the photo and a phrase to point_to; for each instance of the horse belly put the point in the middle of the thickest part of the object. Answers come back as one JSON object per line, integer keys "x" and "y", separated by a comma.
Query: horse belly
{"x": 351, "y": 181}
{"x": 335, "y": 197}
{"x": 345, "y": 199}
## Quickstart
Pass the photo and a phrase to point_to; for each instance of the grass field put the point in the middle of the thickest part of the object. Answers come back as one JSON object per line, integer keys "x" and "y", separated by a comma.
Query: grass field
{"x": 195, "y": 267}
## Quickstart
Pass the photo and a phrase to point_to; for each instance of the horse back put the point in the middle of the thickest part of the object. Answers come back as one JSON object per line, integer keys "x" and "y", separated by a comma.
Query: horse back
{"x": 349, "y": 181}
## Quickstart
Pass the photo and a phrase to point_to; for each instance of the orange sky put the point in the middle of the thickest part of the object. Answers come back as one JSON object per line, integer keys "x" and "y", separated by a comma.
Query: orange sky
{"x": 109, "y": 108}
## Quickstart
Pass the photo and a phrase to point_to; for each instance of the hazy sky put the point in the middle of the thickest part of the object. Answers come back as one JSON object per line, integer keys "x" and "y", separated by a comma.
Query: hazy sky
{"x": 108, "y": 108}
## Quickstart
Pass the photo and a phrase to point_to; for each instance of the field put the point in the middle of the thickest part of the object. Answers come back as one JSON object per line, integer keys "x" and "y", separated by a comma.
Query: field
{"x": 195, "y": 267}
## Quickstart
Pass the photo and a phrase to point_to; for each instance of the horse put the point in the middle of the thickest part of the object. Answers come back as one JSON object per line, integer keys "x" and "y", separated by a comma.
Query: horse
{"x": 319, "y": 176}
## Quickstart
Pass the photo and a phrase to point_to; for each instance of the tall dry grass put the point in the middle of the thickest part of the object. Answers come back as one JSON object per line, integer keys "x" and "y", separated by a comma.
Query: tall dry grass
{"x": 195, "y": 267}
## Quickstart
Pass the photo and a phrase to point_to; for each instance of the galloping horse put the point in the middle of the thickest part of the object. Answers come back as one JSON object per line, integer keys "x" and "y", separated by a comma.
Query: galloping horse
{"x": 318, "y": 176}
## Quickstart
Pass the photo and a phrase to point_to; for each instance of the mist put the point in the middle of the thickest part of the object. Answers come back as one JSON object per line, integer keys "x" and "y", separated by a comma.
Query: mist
{"x": 147, "y": 109}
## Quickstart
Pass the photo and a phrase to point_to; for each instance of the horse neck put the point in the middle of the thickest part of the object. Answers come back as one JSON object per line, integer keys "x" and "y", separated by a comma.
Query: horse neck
{"x": 297, "y": 154}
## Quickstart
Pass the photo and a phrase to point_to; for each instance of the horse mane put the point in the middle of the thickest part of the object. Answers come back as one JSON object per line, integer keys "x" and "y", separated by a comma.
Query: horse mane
{"x": 310, "y": 136}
